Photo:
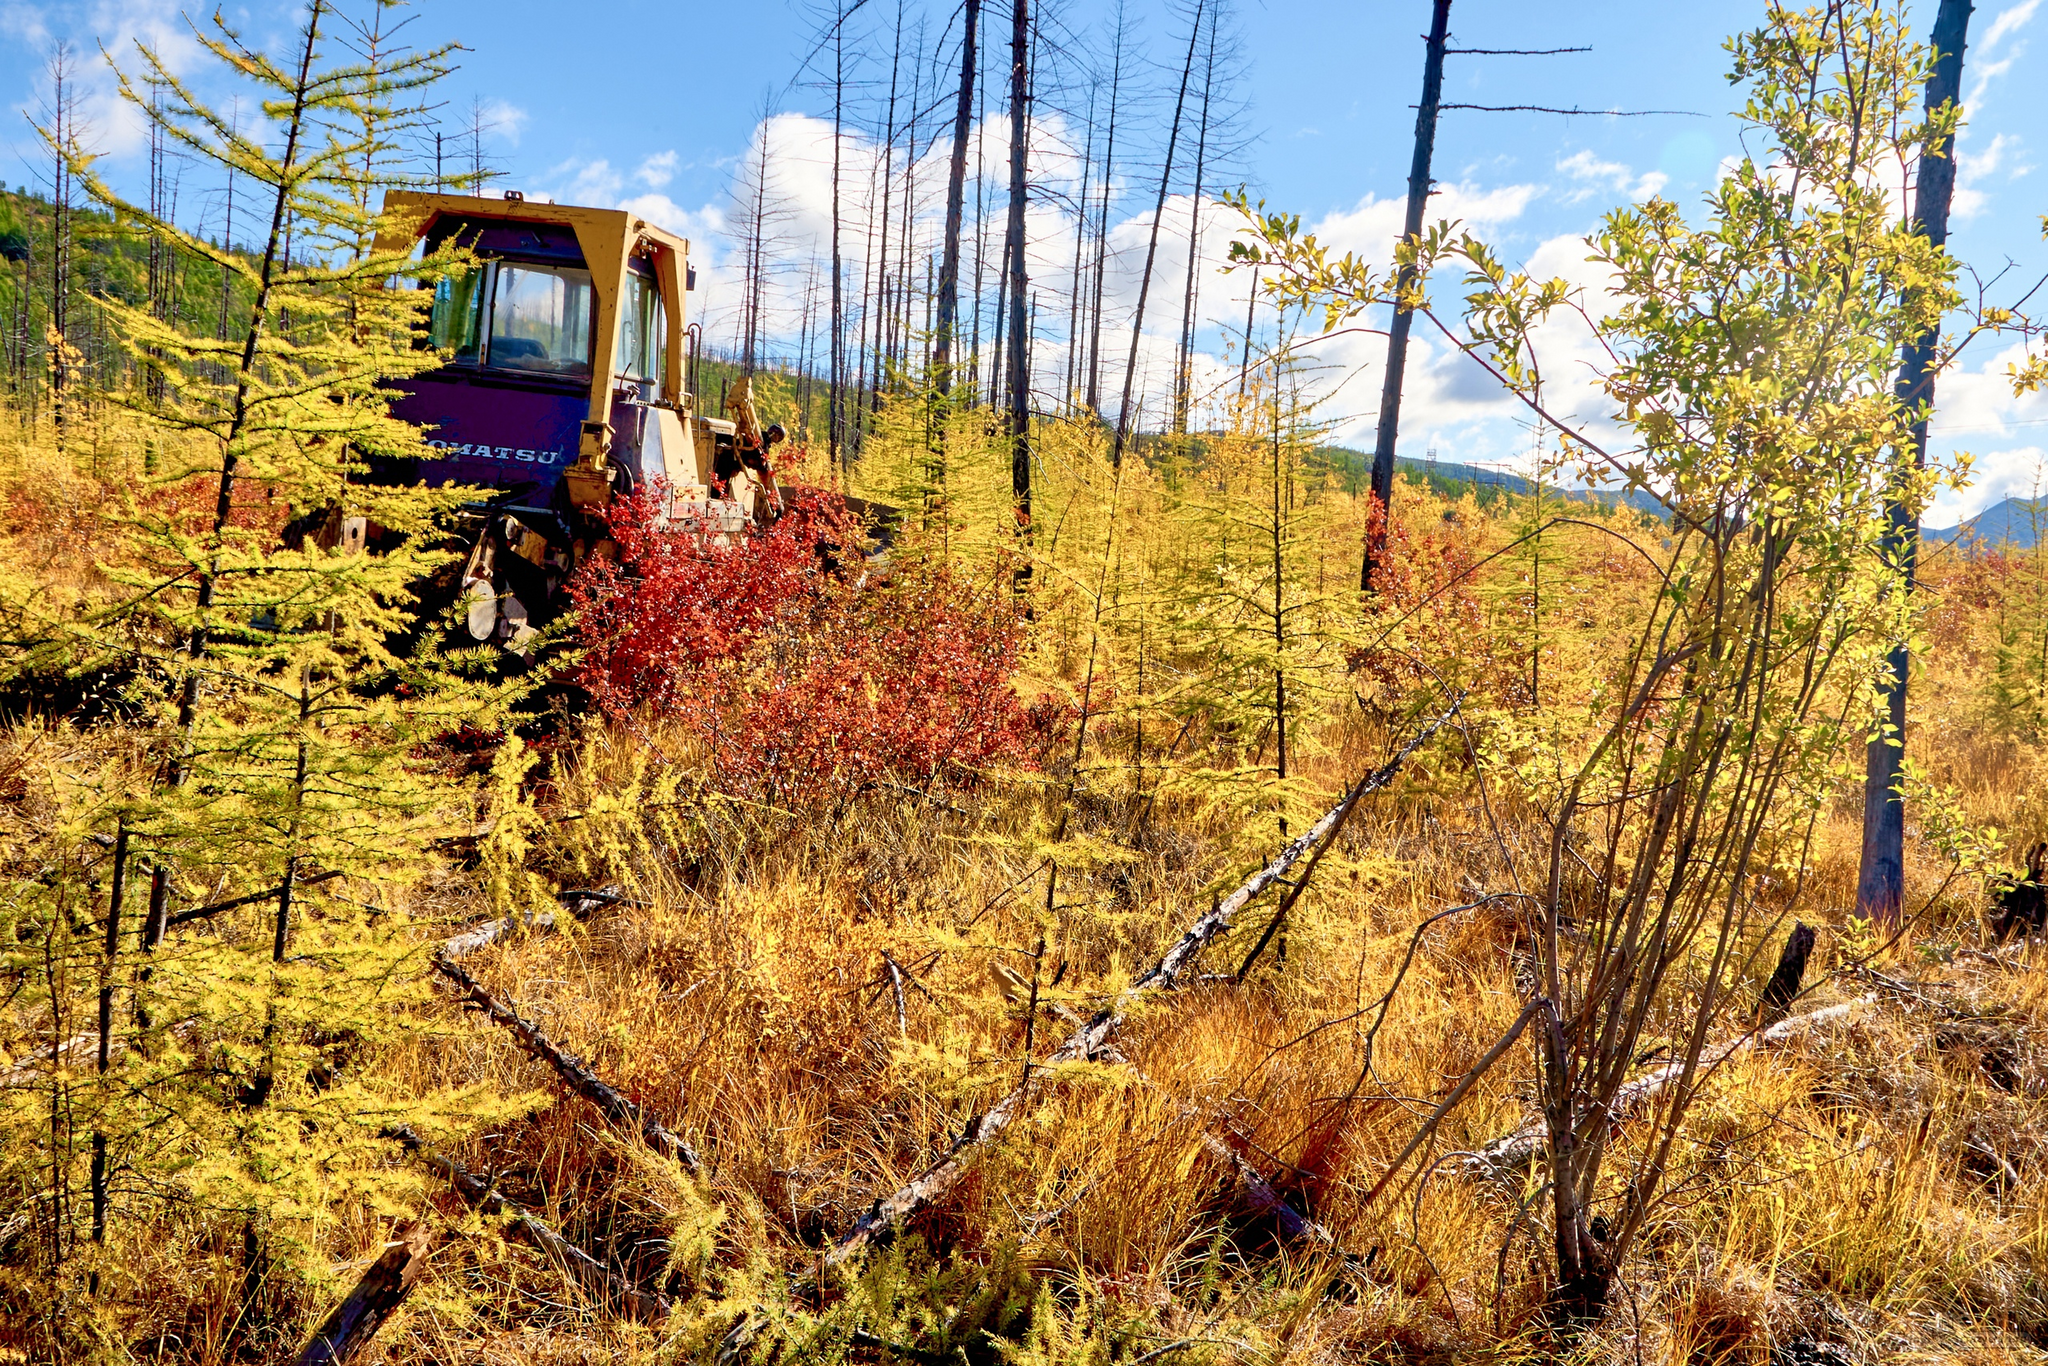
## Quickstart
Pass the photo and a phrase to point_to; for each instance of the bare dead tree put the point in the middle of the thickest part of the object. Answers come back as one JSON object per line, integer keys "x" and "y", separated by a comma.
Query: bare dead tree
{"x": 1881, "y": 872}
{"x": 878, "y": 285}
{"x": 980, "y": 221}
{"x": 995, "y": 356}
{"x": 481, "y": 170}
{"x": 760, "y": 213}
{"x": 158, "y": 263}
{"x": 60, "y": 131}
{"x": 1405, "y": 281}
{"x": 1075, "y": 282}
{"x": 1013, "y": 259}
{"x": 1123, "y": 417}
{"x": 836, "y": 400}
{"x": 1184, "y": 360}
{"x": 956, "y": 197}
{"x": 1116, "y": 77}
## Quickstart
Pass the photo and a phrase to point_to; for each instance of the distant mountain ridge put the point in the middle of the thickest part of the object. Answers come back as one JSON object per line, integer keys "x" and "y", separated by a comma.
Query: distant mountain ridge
{"x": 1451, "y": 477}
{"x": 2015, "y": 522}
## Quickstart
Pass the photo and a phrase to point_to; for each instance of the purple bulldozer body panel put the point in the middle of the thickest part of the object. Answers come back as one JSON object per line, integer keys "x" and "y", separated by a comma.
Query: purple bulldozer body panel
{"x": 493, "y": 433}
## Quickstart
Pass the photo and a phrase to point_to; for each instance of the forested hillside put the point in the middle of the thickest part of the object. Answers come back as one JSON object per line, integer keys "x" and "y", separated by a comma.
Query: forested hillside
{"x": 1093, "y": 870}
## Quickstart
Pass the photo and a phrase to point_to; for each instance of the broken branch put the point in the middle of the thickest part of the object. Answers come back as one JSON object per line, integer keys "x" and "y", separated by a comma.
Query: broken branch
{"x": 1089, "y": 1039}
{"x": 596, "y": 1279}
{"x": 614, "y": 1105}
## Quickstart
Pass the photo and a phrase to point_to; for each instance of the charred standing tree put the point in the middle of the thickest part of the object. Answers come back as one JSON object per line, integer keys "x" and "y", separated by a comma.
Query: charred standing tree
{"x": 980, "y": 224}
{"x": 956, "y": 207}
{"x": 836, "y": 401}
{"x": 903, "y": 304}
{"x": 63, "y": 137}
{"x": 1123, "y": 416}
{"x": 1183, "y": 369}
{"x": 1881, "y": 873}
{"x": 1019, "y": 416}
{"x": 109, "y": 958}
{"x": 1116, "y": 80}
{"x": 1404, "y": 281}
{"x": 757, "y": 215}
{"x": 879, "y": 283}
{"x": 1075, "y": 280}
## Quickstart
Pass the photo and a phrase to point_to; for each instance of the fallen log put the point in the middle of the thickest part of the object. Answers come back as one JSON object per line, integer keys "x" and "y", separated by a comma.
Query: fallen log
{"x": 1508, "y": 1156}
{"x": 383, "y": 1287}
{"x": 596, "y": 1279}
{"x": 579, "y": 901}
{"x": 613, "y": 1104}
{"x": 60, "y": 1054}
{"x": 481, "y": 937}
{"x": 1089, "y": 1039}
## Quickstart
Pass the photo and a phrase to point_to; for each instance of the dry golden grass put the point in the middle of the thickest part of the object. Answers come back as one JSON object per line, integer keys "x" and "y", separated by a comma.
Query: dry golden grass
{"x": 1877, "y": 1192}
{"x": 1879, "y": 1188}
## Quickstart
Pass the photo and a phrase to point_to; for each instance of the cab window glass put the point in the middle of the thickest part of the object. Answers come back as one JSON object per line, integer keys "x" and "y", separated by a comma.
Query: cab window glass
{"x": 643, "y": 330}
{"x": 540, "y": 319}
{"x": 457, "y": 317}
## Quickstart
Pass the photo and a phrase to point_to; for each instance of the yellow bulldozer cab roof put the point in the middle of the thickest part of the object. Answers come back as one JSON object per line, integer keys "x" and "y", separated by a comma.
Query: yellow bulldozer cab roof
{"x": 608, "y": 239}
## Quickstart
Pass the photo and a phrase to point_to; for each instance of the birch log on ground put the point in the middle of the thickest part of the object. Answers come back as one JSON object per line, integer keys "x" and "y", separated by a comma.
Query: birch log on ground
{"x": 383, "y": 1287}
{"x": 580, "y": 902}
{"x": 1090, "y": 1039}
{"x": 596, "y": 1279}
{"x": 1513, "y": 1153}
{"x": 613, "y": 1104}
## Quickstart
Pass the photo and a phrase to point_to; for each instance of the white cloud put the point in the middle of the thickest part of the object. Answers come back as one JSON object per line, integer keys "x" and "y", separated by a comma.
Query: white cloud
{"x": 1977, "y": 411}
{"x": 25, "y": 24}
{"x": 2009, "y": 22}
{"x": 1972, "y": 168}
{"x": 1594, "y": 176}
{"x": 657, "y": 170}
{"x": 503, "y": 120}
{"x": 702, "y": 227}
{"x": 107, "y": 124}
{"x": 1984, "y": 66}
{"x": 2020, "y": 472}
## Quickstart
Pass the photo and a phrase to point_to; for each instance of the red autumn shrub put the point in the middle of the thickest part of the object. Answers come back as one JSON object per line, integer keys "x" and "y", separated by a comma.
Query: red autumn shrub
{"x": 805, "y": 676}
{"x": 1426, "y": 583}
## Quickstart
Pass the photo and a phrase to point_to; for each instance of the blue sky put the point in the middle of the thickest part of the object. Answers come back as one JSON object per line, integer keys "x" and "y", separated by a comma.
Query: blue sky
{"x": 659, "y": 105}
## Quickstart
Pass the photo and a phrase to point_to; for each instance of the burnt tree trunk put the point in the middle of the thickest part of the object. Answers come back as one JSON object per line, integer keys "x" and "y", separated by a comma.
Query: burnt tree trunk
{"x": 956, "y": 207}
{"x": 1018, "y": 380}
{"x": 1184, "y": 379}
{"x": 1123, "y": 416}
{"x": 1784, "y": 984}
{"x": 1404, "y": 281}
{"x": 1075, "y": 281}
{"x": 836, "y": 401}
{"x": 1116, "y": 80}
{"x": 1881, "y": 874}
{"x": 383, "y": 1287}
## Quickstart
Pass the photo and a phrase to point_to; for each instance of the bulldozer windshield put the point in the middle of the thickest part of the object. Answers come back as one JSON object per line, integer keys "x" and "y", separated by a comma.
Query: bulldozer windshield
{"x": 540, "y": 319}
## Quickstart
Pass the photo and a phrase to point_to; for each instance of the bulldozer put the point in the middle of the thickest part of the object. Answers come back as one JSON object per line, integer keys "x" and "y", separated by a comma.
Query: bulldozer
{"x": 568, "y": 384}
